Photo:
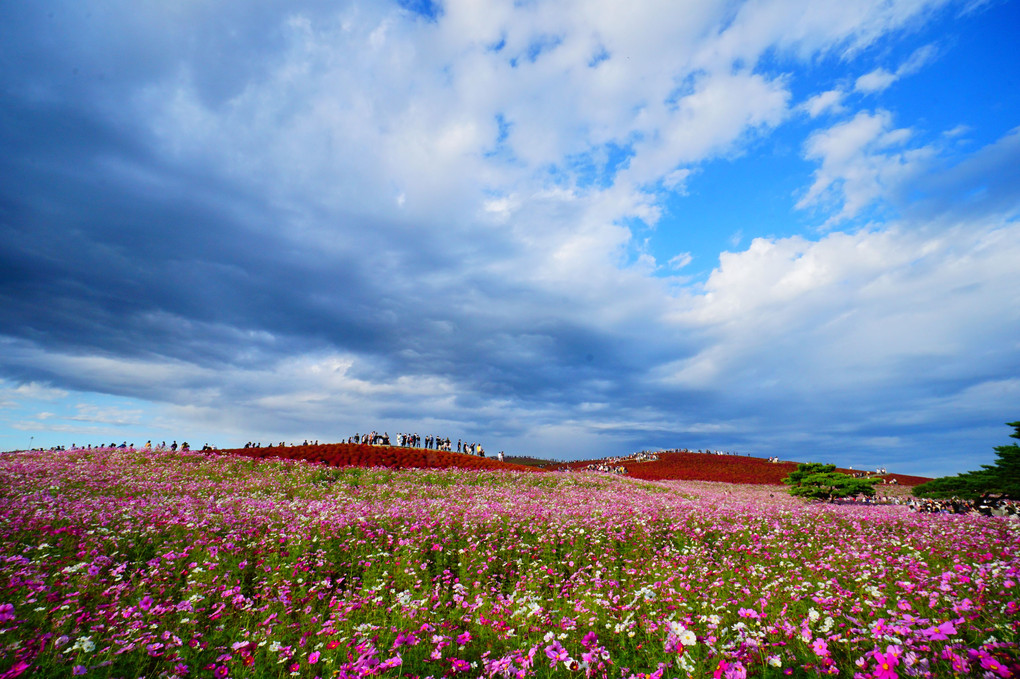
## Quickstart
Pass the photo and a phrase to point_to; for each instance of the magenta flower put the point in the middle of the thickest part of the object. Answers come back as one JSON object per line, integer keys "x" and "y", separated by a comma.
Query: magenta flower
{"x": 556, "y": 653}
{"x": 146, "y": 603}
{"x": 735, "y": 671}
{"x": 76, "y": 670}
{"x": 408, "y": 639}
{"x": 221, "y": 671}
{"x": 992, "y": 665}
{"x": 313, "y": 657}
{"x": 6, "y": 612}
{"x": 463, "y": 638}
{"x": 885, "y": 665}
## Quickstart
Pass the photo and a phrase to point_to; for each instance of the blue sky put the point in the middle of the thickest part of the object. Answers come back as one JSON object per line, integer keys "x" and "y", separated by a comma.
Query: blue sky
{"x": 565, "y": 229}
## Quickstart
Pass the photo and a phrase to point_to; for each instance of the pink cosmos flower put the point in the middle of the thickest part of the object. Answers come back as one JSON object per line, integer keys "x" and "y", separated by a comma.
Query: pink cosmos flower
{"x": 6, "y": 612}
{"x": 408, "y": 639}
{"x": 463, "y": 638}
{"x": 390, "y": 663}
{"x": 940, "y": 633}
{"x": 556, "y": 653}
{"x": 221, "y": 671}
{"x": 313, "y": 657}
{"x": 992, "y": 665}
{"x": 736, "y": 671}
{"x": 146, "y": 603}
{"x": 885, "y": 665}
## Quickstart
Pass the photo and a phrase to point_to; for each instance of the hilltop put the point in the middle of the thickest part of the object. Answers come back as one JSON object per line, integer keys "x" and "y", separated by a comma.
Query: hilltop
{"x": 364, "y": 455}
{"x": 724, "y": 468}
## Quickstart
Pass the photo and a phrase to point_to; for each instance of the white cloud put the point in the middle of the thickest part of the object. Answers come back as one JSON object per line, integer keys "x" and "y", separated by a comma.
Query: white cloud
{"x": 957, "y": 131}
{"x": 805, "y": 28}
{"x": 862, "y": 160}
{"x": 920, "y": 58}
{"x": 681, "y": 260}
{"x": 31, "y": 391}
{"x": 860, "y": 313}
{"x": 880, "y": 79}
{"x": 876, "y": 81}
{"x": 830, "y": 101}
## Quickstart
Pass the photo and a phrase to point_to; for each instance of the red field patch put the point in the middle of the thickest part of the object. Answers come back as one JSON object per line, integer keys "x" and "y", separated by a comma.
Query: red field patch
{"x": 721, "y": 468}
{"x": 363, "y": 455}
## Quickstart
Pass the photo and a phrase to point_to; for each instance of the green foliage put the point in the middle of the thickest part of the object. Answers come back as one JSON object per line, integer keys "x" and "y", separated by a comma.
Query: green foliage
{"x": 1001, "y": 479}
{"x": 817, "y": 481}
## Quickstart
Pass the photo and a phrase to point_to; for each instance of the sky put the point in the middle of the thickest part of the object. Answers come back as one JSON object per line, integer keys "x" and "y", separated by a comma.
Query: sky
{"x": 562, "y": 229}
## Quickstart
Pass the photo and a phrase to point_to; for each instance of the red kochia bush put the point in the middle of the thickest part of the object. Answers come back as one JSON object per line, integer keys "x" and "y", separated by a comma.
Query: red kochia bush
{"x": 363, "y": 455}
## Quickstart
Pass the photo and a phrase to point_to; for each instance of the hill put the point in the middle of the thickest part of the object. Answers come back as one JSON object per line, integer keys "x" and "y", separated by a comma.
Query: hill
{"x": 363, "y": 455}
{"x": 689, "y": 466}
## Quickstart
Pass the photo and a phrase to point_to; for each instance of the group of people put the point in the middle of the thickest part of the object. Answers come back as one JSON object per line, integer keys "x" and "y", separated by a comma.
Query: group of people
{"x": 864, "y": 475}
{"x": 428, "y": 442}
{"x": 956, "y": 505}
{"x": 614, "y": 465}
{"x": 605, "y": 468}
{"x": 130, "y": 446}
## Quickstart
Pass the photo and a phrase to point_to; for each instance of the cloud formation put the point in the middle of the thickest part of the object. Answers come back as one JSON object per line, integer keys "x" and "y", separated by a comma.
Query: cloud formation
{"x": 309, "y": 219}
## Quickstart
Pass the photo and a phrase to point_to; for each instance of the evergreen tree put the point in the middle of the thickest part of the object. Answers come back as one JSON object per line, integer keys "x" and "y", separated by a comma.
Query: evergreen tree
{"x": 1001, "y": 479}
{"x": 817, "y": 481}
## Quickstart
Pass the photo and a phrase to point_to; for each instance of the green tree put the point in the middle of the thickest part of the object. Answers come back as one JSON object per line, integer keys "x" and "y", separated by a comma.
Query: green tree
{"x": 817, "y": 481}
{"x": 1001, "y": 479}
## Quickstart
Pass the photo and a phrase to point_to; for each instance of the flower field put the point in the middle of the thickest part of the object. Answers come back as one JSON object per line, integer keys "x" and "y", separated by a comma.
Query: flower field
{"x": 124, "y": 563}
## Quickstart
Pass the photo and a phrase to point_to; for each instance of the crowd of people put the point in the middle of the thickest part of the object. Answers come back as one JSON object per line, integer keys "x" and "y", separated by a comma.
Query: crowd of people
{"x": 428, "y": 442}
{"x": 955, "y": 505}
{"x": 402, "y": 440}
{"x": 614, "y": 465}
{"x": 706, "y": 451}
{"x": 124, "y": 445}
